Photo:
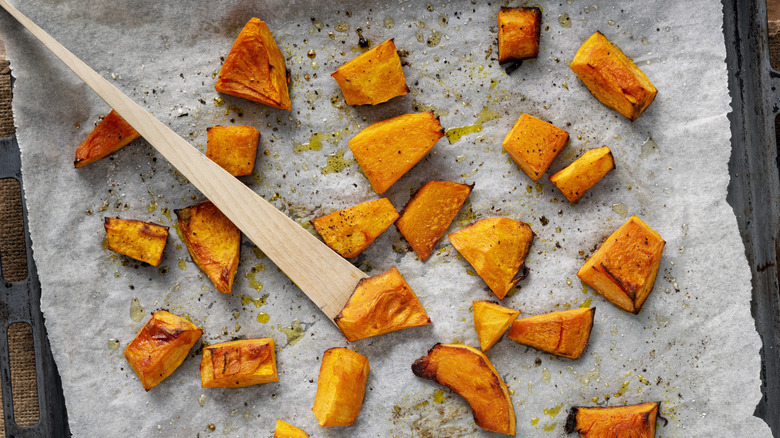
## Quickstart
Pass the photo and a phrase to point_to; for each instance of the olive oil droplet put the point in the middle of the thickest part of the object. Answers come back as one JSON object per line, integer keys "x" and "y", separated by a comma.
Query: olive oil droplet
{"x": 113, "y": 344}
{"x": 136, "y": 311}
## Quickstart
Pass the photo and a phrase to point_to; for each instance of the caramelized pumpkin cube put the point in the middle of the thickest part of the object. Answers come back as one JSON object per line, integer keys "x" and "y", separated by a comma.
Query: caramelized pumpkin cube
{"x": 518, "y": 33}
{"x": 234, "y": 148}
{"x": 623, "y": 269}
{"x": 373, "y": 77}
{"x": 534, "y": 144}
{"x": 160, "y": 347}
{"x": 563, "y": 333}
{"x": 213, "y": 241}
{"x": 287, "y": 430}
{"x": 613, "y": 78}
{"x": 351, "y": 230}
{"x": 635, "y": 421}
{"x": 574, "y": 180}
{"x": 340, "y": 387}
{"x": 429, "y": 213}
{"x": 491, "y": 320}
{"x": 496, "y": 248}
{"x": 468, "y": 372}
{"x": 381, "y": 304}
{"x": 386, "y": 150}
{"x": 144, "y": 241}
{"x": 110, "y": 135}
{"x": 254, "y": 69}
{"x": 237, "y": 364}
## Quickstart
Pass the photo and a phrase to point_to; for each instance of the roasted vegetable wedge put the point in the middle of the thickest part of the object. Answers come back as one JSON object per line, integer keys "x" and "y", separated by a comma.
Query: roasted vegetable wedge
{"x": 160, "y": 347}
{"x": 613, "y": 78}
{"x": 213, "y": 241}
{"x": 574, "y": 180}
{"x": 534, "y": 144}
{"x": 144, "y": 241}
{"x": 237, "y": 364}
{"x": 518, "y": 33}
{"x": 491, "y": 320}
{"x": 381, "y": 304}
{"x": 234, "y": 148}
{"x": 563, "y": 333}
{"x": 351, "y": 230}
{"x": 386, "y": 150}
{"x": 254, "y": 69}
{"x": 340, "y": 387}
{"x": 496, "y": 248}
{"x": 623, "y": 269}
{"x": 109, "y": 136}
{"x": 373, "y": 77}
{"x": 468, "y": 372}
{"x": 634, "y": 421}
{"x": 287, "y": 430}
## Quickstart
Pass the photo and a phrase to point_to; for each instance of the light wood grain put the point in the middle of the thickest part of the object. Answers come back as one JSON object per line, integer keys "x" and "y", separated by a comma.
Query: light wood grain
{"x": 327, "y": 278}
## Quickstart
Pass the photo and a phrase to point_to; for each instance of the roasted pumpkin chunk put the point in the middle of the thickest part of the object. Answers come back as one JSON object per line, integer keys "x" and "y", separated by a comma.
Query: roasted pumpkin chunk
{"x": 534, "y": 144}
{"x": 234, "y": 148}
{"x": 496, "y": 248}
{"x": 287, "y": 430}
{"x": 491, "y": 320}
{"x": 254, "y": 69}
{"x": 518, "y": 33}
{"x": 574, "y": 180}
{"x": 237, "y": 364}
{"x": 386, "y": 150}
{"x": 144, "y": 241}
{"x": 340, "y": 387}
{"x": 468, "y": 372}
{"x": 634, "y": 421}
{"x": 381, "y": 304}
{"x": 373, "y": 77}
{"x": 160, "y": 347}
{"x": 623, "y": 269}
{"x": 351, "y": 230}
{"x": 110, "y": 135}
{"x": 613, "y": 78}
{"x": 563, "y": 333}
{"x": 213, "y": 241}
{"x": 429, "y": 213}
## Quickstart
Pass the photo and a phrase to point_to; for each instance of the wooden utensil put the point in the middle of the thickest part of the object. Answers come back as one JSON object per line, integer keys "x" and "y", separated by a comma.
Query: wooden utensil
{"x": 327, "y": 278}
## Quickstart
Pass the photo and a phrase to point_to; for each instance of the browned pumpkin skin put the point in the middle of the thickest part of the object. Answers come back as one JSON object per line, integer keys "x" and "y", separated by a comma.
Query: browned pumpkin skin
{"x": 631, "y": 421}
{"x": 373, "y": 77}
{"x": 110, "y": 135}
{"x": 144, "y": 241}
{"x": 341, "y": 387}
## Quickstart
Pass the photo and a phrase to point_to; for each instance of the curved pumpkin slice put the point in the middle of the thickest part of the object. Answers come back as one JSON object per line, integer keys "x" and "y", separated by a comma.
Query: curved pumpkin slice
{"x": 237, "y": 364}
{"x": 341, "y": 387}
{"x": 635, "y": 421}
{"x": 254, "y": 69}
{"x": 496, "y": 248}
{"x": 563, "y": 333}
{"x": 468, "y": 372}
{"x": 213, "y": 241}
{"x": 430, "y": 212}
{"x": 491, "y": 321}
{"x": 287, "y": 430}
{"x": 351, "y": 230}
{"x": 110, "y": 135}
{"x": 381, "y": 304}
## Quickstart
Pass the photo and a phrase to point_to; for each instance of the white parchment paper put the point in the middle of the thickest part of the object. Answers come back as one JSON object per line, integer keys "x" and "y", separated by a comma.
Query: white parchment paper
{"x": 693, "y": 347}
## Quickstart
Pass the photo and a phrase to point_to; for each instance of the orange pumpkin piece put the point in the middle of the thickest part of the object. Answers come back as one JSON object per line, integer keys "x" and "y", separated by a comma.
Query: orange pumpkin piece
{"x": 254, "y": 69}
{"x": 144, "y": 241}
{"x": 534, "y": 144}
{"x": 373, "y": 77}
{"x": 574, "y": 180}
{"x": 234, "y": 148}
{"x": 160, "y": 347}
{"x": 518, "y": 33}
{"x": 287, "y": 430}
{"x": 496, "y": 248}
{"x": 491, "y": 320}
{"x": 623, "y": 269}
{"x": 429, "y": 213}
{"x": 563, "y": 333}
{"x": 237, "y": 364}
{"x": 381, "y": 304}
{"x": 386, "y": 150}
{"x": 634, "y": 421}
{"x": 340, "y": 387}
{"x": 468, "y": 372}
{"x": 613, "y": 78}
{"x": 351, "y": 230}
{"x": 213, "y": 241}
{"x": 110, "y": 135}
